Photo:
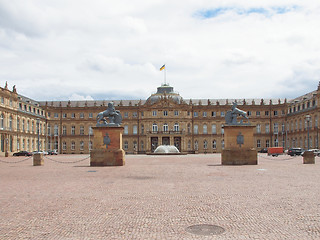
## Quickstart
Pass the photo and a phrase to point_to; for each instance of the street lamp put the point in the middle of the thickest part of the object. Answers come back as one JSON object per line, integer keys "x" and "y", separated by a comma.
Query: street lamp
{"x": 308, "y": 118}
{"x": 38, "y": 130}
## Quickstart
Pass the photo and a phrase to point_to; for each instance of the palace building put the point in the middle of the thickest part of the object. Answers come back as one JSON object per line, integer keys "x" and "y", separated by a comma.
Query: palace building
{"x": 165, "y": 118}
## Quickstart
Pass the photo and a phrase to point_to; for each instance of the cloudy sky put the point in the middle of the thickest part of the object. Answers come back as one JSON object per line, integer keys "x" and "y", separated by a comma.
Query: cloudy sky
{"x": 103, "y": 49}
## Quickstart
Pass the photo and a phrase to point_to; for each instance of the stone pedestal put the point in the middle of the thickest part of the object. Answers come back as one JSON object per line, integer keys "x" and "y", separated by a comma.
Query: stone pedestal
{"x": 107, "y": 147}
{"x": 308, "y": 157}
{"x": 38, "y": 159}
{"x": 239, "y": 146}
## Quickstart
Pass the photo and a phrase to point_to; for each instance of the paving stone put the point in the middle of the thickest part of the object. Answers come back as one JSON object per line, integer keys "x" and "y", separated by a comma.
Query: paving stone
{"x": 159, "y": 197}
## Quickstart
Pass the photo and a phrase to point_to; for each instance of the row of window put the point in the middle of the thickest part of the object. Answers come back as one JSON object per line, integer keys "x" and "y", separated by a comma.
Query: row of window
{"x": 30, "y": 109}
{"x": 72, "y": 132}
{"x": 302, "y": 106}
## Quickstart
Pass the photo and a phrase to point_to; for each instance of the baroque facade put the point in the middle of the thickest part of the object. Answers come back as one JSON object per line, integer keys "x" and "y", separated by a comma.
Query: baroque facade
{"x": 165, "y": 118}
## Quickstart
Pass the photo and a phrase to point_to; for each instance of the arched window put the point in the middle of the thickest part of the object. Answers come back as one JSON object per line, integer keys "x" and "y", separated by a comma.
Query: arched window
{"x": 189, "y": 145}
{"x": 73, "y": 145}
{"x": 196, "y": 145}
{"x": 205, "y": 129}
{"x": 165, "y": 127}
{"x": 1, "y": 121}
{"x": 176, "y": 127}
{"x": 214, "y": 129}
{"x": 10, "y": 123}
{"x": 214, "y": 144}
{"x": 205, "y": 144}
{"x": 195, "y": 129}
{"x": 154, "y": 127}
{"x": 81, "y": 145}
{"x": 189, "y": 128}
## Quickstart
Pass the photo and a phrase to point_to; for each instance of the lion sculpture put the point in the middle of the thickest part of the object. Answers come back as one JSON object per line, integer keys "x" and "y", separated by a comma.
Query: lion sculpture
{"x": 112, "y": 114}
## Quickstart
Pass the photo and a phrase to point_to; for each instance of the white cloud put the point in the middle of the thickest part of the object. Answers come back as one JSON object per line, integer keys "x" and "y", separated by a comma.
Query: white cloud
{"x": 78, "y": 97}
{"x": 53, "y": 50}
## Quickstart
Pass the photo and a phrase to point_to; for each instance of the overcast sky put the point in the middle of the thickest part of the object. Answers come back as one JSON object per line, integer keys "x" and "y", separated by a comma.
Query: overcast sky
{"x": 103, "y": 49}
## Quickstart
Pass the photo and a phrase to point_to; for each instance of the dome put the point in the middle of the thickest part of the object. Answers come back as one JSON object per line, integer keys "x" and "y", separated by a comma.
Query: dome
{"x": 164, "y": 91}
{"x": 166, "y": 149}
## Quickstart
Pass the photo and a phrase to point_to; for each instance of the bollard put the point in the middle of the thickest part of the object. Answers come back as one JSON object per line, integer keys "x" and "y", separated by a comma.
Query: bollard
{"x": 308, "y": 157}
{"x": 38, "y": 159}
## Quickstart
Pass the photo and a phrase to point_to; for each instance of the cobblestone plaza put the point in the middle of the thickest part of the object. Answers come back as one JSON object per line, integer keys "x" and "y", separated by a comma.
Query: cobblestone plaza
{"x": 159, "y": 197}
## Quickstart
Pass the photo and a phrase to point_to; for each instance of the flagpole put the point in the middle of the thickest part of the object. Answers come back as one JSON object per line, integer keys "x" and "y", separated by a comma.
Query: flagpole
{"x": 165, "y": 76}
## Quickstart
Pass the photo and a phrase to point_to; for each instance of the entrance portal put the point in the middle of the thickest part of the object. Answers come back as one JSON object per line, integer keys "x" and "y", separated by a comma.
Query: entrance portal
{"x": 154, "y": 143}
{"x": 177, "y": 143}
{"x": 165, "y": 141}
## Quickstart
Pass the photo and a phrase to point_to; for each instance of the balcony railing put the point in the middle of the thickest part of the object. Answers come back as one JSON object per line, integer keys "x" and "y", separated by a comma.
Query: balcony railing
{"x": 165, "y": 132}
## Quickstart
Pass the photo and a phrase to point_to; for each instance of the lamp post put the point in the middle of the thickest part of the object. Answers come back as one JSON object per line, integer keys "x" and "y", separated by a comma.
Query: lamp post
{"x": 308, "y": 118}
{"x": 38, "y": 131}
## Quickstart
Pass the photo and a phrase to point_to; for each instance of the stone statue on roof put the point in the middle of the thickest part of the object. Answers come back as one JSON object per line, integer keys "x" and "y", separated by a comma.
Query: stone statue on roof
{"x": 231, "y": 116}
{"x": 112, "y": 114}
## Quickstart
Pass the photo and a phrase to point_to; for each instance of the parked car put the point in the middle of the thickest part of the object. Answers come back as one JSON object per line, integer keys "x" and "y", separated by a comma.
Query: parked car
{"x": 43, "y": 152}
{"x": 264, "y": 150}
{"x": 316, "y": 152}
{"x": 53, "y": 152}
{"x": 22, "y": 153}
{"x": 295, "y": 151}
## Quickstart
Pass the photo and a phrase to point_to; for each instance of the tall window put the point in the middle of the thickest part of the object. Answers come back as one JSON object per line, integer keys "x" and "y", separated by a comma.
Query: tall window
{"x": 165, "y": 113}
{"x": 142, "y": 129}
{"x": 142, "y": 145}
{"x": 267, "y": 128}
{"x": 81, "y": 130}
{"x": 176, "y": 127}
{"x": 56, "y": 130}
{"x": 90, "y": 115}
{"x": 267, "y": 143}
{"x": 214, "y": 144}
{"x": 64, "y": 146}
{"x": 195, "y": 129}
{"x": 125, "y": 145}
{"x": 73, "y": 145}
{"x": 10, "y": 123}
{"x": 135, "y": 129}
{"x": 214, "y": 129}
{"x": 18, "y": 124}
{"x": 258, "y": 143}
{"x": 275, "y": 128}
{"x": 258, "y": 128}
{"x": 49, "y": 129}
{"x": 205, "y": 144}
{"x": 82, "y": 115}
{"x": 205, "y": 129}
{"x": 176, "y": 113}
{"x": 204, "y": 114}
{"x": 196, "y": 145}
{"x": 73, "y": 130}
{"x": 126, "y": 130}
{"x": 154, "y": 113}
{"x": 189, "y": 128}
{"x": 90, "y": 130}
{"x": 64, "y": 130}
{"x": 81, "y": 145}
{"x": 154, "y": 127}
{"x": 165, "y": 127}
